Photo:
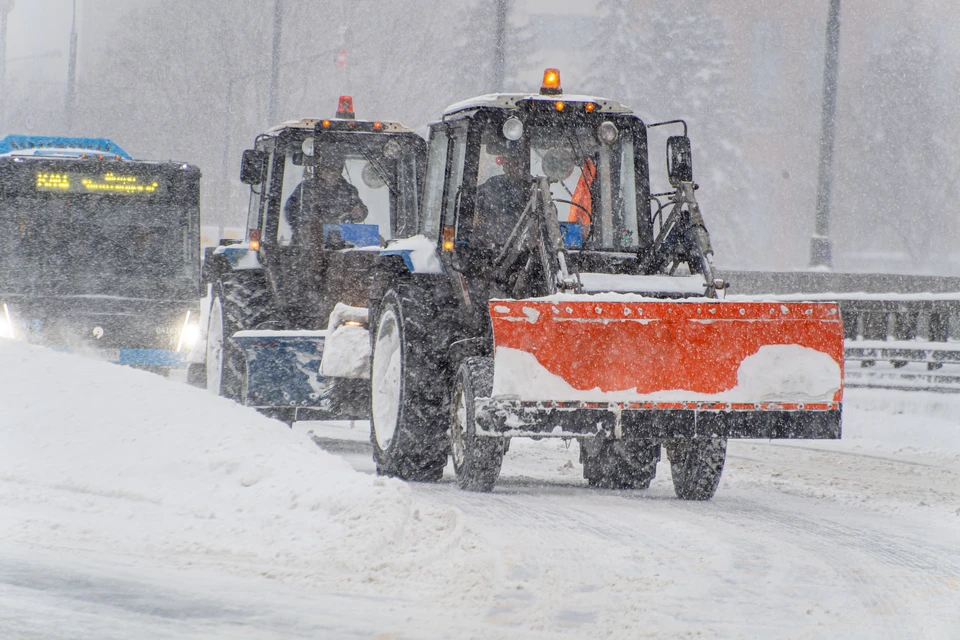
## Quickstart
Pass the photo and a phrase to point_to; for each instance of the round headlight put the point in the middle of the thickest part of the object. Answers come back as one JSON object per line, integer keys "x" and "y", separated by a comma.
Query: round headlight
{"x": 512, "y": 129}
{"x": 391, "y": 150}
{"x": 307, "y": 147}
{"x": 607, "y": 132}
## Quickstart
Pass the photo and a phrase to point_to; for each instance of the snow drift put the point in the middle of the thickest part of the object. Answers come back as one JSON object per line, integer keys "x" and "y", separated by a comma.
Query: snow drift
{"x": 98, "y": 457}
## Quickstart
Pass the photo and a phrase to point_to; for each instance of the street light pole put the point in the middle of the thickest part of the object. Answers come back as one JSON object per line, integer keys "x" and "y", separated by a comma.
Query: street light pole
{"x": 275, "y": 61}
{"x": 71, "y": 98}
{"x": 821, "y": 251}
{"x": 500, "y": 46}
{"x": 6, "y": 6}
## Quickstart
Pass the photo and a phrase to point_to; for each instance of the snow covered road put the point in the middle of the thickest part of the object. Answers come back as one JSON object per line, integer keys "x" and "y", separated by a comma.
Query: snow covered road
{"x": 131, "y": 506}
{"x": 801, "y": 541}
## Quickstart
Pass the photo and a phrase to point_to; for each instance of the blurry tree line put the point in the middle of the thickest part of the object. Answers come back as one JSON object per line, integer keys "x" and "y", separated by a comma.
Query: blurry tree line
{"x": 899, "y": 170}
{"x": 189, "y": 80}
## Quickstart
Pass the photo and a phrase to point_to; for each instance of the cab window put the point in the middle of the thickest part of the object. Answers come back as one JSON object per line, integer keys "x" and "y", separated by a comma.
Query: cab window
{"x": 433, "y": 187}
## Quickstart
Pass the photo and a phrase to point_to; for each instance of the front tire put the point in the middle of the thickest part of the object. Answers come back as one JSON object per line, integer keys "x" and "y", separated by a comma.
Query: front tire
{"x": 696, "y": 466}
{"x": 241, "y": 300}
{"x": 620, "y": 464}
{"x": 407, "y": 393}
{"x": 476, "y": 459}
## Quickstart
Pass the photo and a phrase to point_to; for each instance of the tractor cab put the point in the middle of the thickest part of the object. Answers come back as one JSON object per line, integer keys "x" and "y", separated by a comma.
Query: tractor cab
{"x": 588, "y": 153}
{"x": 325, "y": 194}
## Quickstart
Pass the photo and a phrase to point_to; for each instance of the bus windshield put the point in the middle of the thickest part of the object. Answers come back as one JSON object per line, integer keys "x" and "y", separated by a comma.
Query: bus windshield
{"x": 68, "y": 242}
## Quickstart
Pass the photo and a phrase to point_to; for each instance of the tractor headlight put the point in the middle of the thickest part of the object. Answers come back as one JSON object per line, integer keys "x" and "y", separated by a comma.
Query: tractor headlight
{"x": 512, "y": 129}
{"x": 6, "y": 323}
{"x": 607, "y": 133}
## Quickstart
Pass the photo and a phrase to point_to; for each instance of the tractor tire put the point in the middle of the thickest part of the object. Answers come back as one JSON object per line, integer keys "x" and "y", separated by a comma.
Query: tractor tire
{"x": 476, "y": 459}
{"x": 408, "y": 415}
{"x": 620, "y": 464}
{"x": 696, "y": 466}
{"x": 241, "y": 300}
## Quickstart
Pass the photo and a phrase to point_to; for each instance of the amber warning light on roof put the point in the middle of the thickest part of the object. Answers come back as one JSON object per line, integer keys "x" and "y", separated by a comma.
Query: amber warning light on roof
{"x": 551, "y": 82}
{"x": 345, "y": 108}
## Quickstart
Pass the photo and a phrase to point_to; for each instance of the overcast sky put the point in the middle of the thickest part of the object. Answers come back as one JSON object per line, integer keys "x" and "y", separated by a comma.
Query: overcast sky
{"x": 37, "y": 27}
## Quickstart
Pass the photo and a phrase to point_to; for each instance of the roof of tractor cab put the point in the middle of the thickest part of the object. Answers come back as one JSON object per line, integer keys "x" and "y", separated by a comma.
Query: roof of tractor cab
{"x": 511, "y": 101}
{"x": 302, "y": 123}
{"x": 337, "y": 124}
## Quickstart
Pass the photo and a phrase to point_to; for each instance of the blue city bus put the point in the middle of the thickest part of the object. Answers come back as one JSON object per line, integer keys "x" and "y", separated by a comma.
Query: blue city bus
{"x": 99, "y": 253}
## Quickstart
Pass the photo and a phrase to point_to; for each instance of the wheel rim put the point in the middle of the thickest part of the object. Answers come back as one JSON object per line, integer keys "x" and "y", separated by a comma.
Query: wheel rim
{"x": 386, "y": 380}
{"x": 215, "y": 348}
{"x": 459, "y": 428}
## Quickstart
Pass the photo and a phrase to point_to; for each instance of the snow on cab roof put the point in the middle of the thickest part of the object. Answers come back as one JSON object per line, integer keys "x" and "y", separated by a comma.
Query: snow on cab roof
{"x": 512, "y": 100}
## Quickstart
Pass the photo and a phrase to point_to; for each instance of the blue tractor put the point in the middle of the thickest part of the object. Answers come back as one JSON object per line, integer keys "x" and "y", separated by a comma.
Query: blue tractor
{"x": 287, "y": 321}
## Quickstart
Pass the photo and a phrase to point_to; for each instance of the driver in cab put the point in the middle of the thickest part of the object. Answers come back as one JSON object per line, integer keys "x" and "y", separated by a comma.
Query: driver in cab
{"x": 501, "y": 199}
{"x": 324, "y": 196}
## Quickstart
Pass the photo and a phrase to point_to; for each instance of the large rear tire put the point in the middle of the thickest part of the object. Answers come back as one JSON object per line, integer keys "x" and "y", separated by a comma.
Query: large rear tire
{"x": 241, "y": 300}
{"x": 476, "y": 459}
{"x": 696, "y": 466}
{"x": 408, "y": 414}
{"x": 620, "y": 464}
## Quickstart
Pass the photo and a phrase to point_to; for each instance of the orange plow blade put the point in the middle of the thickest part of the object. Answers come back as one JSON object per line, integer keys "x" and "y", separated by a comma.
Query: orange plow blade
{"x": 718, "y": 358}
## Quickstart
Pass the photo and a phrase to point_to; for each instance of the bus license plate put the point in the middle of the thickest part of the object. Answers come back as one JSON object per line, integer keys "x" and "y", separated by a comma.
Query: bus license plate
{"x": 109, "y": 355}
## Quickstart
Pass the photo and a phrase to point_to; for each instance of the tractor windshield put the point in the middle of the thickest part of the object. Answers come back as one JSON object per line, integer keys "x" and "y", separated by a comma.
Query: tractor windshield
{"x": 352, "y": 179}
{"x": 593, "y": 183}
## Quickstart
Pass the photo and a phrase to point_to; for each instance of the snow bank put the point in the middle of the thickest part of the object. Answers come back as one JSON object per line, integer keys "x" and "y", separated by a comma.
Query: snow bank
{"x": 96, "y": 458}
{"x": 776, "y": 373}
{"x": 903, "y": 421}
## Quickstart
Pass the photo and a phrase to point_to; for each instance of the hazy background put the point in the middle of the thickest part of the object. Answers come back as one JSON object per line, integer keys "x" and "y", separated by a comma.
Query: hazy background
{"x": 189, "y": 80}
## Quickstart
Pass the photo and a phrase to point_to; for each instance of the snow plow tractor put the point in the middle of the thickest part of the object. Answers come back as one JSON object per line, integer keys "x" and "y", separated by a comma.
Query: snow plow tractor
{"x": 286, "y": 331}
{"x": 550, "y": 294}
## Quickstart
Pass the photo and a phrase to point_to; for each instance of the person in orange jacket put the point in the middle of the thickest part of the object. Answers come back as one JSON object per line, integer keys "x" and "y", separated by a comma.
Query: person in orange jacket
{"x": 582, "y": 209}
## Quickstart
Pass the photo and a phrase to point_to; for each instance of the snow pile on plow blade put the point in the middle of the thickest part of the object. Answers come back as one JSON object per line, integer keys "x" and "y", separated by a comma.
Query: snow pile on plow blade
{"x": 678, "y": 368}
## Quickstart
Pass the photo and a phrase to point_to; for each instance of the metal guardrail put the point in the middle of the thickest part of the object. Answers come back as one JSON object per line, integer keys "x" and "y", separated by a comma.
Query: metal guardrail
{"x": 902, "y": 332}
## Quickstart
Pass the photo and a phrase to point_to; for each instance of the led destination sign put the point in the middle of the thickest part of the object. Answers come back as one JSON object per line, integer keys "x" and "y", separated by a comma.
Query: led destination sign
{"x": 110, "y": 182}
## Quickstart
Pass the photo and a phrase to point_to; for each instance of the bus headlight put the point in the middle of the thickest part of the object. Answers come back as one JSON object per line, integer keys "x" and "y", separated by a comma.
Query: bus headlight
{"x": 6, "y": 323}
{"x": 189, "y": 334}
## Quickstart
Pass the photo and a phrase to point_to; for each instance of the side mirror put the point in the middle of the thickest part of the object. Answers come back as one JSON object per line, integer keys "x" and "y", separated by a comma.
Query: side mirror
{"x": 252, "y": 166}
{"x": 679, "y": 160}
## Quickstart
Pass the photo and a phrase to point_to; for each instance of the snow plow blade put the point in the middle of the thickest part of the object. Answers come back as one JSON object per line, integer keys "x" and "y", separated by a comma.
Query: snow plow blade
{"x": 582, "y": 366}
{"x": 283, "y": 372}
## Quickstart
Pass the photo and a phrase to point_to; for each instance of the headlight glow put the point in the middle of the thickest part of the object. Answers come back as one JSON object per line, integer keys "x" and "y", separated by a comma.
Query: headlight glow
{"x": 6, "y": 324}
{"x": 189, "y": 334}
